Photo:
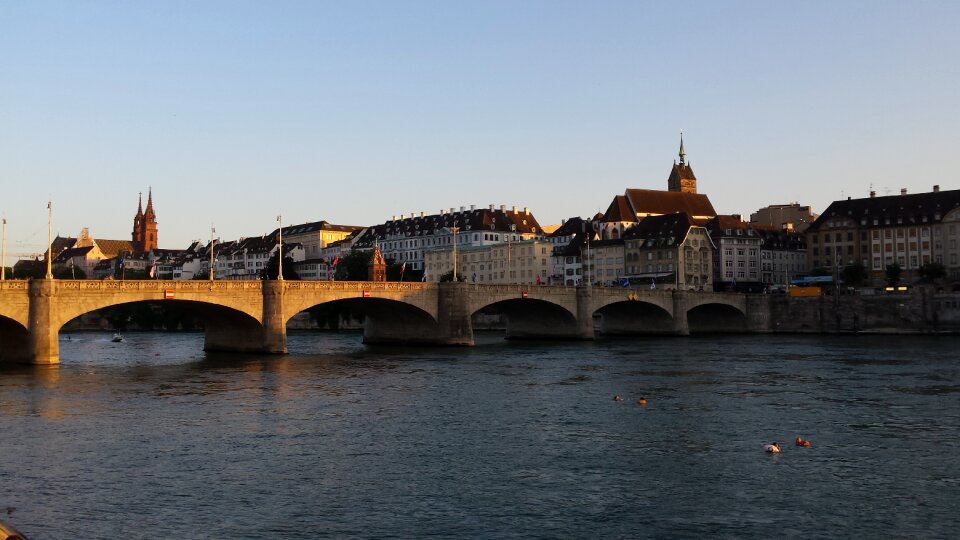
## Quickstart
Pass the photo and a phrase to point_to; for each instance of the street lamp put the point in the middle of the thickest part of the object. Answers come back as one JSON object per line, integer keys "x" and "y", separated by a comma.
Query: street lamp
{"x": 280, "y": 248}
{"x": 212, "y": 230}
{"x": 453, "y": 231}
{"x": 49, "y": 239}
{"x": 3, "y": 253}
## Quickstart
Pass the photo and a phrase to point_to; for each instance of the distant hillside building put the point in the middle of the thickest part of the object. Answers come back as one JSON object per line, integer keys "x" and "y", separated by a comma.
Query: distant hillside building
{"x": 790, "y": 217}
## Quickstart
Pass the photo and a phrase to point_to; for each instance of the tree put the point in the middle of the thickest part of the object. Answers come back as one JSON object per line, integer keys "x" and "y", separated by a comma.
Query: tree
{"x": 449, "y": 277}
{"x": 354, "y": 266}
{"x": 932, "y": 271}
{"x": 893, "y": 273}
{"x": 821, "y": 271}
{"x": 854, "y": 274}
{"x": 272, "y": 269}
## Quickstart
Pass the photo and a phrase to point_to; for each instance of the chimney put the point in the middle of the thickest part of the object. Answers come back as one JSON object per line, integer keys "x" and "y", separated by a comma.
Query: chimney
{"x": 873, "y": 194}
{"x": 849, "y": 198}
{"x": 462, "y": 208}
{"x": 394, "y": 218}
{"x": 936, "y": 188}
{"x": 903, "y": 191}
{"x": 526, "y": 211}
{"x": 503, "y": 208}
{"x": 491, "y": 208}
{"x": 473, "y": 207}
{"x": 514, "y": 209}
{"x": 452, "y": 209}
{"x": 423, "y": 214}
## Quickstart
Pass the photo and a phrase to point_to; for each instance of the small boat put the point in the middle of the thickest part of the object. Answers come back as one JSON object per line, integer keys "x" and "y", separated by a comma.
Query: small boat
{"x": 117, "y": 338}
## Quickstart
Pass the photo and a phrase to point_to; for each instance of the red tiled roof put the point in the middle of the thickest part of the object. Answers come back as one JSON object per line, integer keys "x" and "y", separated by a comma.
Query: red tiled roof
{"x": 650, "y": 201}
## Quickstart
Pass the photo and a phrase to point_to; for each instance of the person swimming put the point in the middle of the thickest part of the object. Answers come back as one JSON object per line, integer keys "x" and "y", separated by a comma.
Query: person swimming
{"x": 800, "y": 441}
{"x": 772, "y": 448}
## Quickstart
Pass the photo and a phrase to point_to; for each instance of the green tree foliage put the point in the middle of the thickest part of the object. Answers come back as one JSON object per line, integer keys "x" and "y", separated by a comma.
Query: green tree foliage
{"x": 30, "y": 269}
{"x": 449, "y": 277}
{"x": 932, "y": 271}
{"x": 893, "y": 273}
{"x": 354, "y": 266}
{"x": 854, "y": 274}
{"x": 272, "y": 269}
{"x": 131, "y": 273}
{"x": 393, "y": 273}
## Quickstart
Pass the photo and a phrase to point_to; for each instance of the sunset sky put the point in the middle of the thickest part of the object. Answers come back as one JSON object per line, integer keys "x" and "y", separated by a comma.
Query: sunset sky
{"x": 353, "y": 112}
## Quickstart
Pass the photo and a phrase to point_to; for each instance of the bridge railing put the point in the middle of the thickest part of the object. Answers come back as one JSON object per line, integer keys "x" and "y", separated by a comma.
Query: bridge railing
{"x": 14, "y": 284}
{"x": 357, "y": 285}
{"x": 155, "y": 285}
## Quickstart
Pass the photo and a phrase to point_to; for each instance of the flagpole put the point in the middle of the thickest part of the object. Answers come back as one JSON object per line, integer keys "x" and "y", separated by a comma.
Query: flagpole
{"x": 453, "y": 230}
{"x": 49, "y": 239}
{"x": 212, "y": 230}
{"x": 3, "y": 253}
{"x": 280, "y": 248}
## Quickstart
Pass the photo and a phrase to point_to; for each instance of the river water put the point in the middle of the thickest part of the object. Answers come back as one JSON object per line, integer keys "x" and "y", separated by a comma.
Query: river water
{"x": 152, "y": 438}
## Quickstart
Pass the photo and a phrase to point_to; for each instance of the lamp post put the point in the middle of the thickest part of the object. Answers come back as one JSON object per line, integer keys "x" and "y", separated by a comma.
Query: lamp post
{"x": 212, "y": 230}
{"x": 49, "y": 239}
{"x": 280, "y": 248}
{"x": 3, "y": 253}
{"x": 453, "y": 231}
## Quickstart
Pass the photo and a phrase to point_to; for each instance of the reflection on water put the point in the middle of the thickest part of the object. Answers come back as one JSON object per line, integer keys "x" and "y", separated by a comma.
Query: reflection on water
{"x": 153, "y": 438}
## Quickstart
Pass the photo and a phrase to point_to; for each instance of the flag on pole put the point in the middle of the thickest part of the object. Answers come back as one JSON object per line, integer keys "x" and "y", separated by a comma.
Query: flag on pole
{"x": 336, "y": 261}
{"x": 403, "y": 267}
{"x": 153, "y": 270}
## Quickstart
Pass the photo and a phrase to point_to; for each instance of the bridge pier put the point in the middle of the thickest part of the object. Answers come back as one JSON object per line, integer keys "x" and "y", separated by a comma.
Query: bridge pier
{"x": 453, "y": 310}
{"x": 585, "y": 328}
{"x": 681, "y": 324}
{"x": 44, "y": 333}
{"x": 274, "y": 324}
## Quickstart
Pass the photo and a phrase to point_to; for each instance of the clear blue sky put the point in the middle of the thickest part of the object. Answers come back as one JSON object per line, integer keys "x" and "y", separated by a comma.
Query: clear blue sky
{"x": 355, "y": 111}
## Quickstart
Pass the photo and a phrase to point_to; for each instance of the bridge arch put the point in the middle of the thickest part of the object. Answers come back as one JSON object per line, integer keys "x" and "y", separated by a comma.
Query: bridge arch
{"x": 634, "y": 317}
{"x": 532, "y": 318}
{"x": 716, "y": 317}
{"x": 14, "y": 341}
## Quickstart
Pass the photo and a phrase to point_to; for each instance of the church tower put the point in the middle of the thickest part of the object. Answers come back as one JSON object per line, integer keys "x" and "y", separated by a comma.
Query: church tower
{"x": 682, "y": 178}
{"x": 145, "y": 226}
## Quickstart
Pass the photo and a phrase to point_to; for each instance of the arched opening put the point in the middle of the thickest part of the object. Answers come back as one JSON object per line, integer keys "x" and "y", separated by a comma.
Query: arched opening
{"x": 527, "y": 319}
{"x": 634, "y": 318}
{"x": 14, "y": 341}
{"x": 716, "y": 318}
{"x": 382, "y": 320}
{"x": 224, "y": 328}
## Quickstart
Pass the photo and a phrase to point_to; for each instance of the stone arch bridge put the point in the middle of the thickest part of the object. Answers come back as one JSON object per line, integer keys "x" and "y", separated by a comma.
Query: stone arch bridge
{"x": 251, "y": 316}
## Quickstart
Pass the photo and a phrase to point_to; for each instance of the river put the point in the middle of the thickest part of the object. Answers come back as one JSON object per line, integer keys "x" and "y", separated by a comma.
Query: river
{"x": 152, "y": 438}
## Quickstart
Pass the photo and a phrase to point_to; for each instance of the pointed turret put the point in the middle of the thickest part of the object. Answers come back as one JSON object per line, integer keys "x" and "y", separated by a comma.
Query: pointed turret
{"x": 149, "y": 213}
{"x": 683, "y": 155}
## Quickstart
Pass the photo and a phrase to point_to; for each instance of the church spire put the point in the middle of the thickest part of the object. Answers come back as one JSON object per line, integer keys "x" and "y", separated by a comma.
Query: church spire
{"x": 140, "y": 204}
{"x": 683, "y": 154}
{"x": 150, "y": 202}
